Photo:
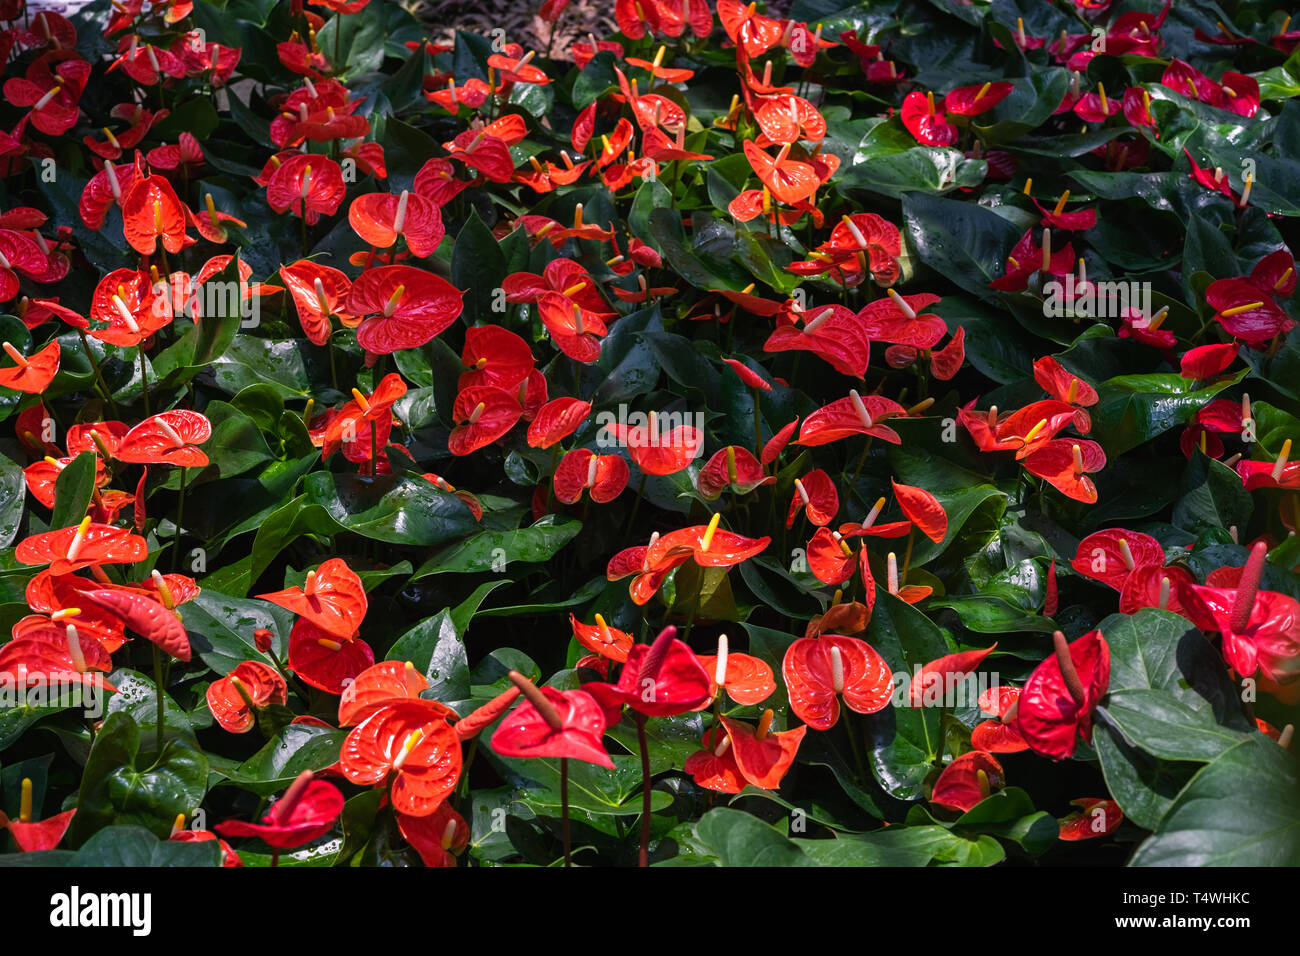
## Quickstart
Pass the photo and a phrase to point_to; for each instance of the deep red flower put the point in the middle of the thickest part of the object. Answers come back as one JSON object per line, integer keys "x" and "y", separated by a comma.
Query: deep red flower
{"x": 974, "y": 100}
{"x": 557, "y": 420}
{"x": 928, "y": 683}
{"x": 657, "y": 680}
{"x": 325, "y": 661}
{"x": 306, "y": 184}
{"x": 925, "y": 121}
{"x": 815, "y": 494}
{"x": 412, "y": 742}
{"x": 1245, "y": 312}
{"x": 168, "y": 438}
{"x": 333, "y": 599}
{"x": 855, "y": 415}
{"x": 235, "y": 699}
{"x": 1096, "y": 817}
{"x": 1058, "y": 699}
{"x": 553, "y": 723}
{"x": 818, "y": 671}
{"x": 483, "y": 414}
{"x": 602, "y": 476}
{"x": 306, "y": 812}
{"x": 404, "y": 307}
{"x": 318, "y": 293}
{"x": 968, "y": 780}
{"x": 1261, "y": 629}
{"x": 1110, "y": 556}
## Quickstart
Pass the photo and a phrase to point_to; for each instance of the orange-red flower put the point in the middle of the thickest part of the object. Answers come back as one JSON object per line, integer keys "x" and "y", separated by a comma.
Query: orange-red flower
{"x": 235, "y": 699}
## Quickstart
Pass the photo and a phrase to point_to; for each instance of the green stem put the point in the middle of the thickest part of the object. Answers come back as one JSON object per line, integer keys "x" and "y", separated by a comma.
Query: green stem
{"x": 158, "y": 696}
{"x": 644, "y": 857}
{"x": 853, "y": 745}
{"x": 564, "y": 807}
{"x": 636, "y": 505}
{"x": 99, "y": 375}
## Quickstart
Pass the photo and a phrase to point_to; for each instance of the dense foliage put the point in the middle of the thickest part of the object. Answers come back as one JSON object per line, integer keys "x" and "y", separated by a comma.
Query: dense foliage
{"x": 856, "y": 437}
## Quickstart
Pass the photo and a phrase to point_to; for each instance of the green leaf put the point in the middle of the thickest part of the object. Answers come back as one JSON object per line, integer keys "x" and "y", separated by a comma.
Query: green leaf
{"x": 292, "y": 750}
{"x": 1241, "y": 810}
{"x": 496, "y": 550}
{"x": 435, "y": 648}
{"x": 72, "y": 491}
{"x": 127, "y": 846}
{"x": 740, "y": 839}
{"x": 1160, "y": 724}
{"x": 963, "y": 241}
{"x": 221, "y": 627}
{"x": 115, "y": 790}
{"x": 477, "y": 268}
{"x": 393, "y": 508}
{"x": 13, "y": 495}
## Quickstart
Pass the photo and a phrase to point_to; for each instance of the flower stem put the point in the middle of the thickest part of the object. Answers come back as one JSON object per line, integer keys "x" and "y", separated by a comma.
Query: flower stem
{"x": 644, "y": 858}
{"x": 180, "y": 516}
{"x": 158, "y": 696}
{"x": 564, "y": 807}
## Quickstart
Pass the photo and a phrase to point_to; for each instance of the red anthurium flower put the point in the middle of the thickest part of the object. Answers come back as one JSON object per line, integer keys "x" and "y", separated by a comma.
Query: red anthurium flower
{"x": 53, "y": 93}
{"x": 181, "y": 835}
{"x": 30, "y": 836}
{"x": 967, "y": 781}
{"x": 553, "y": 723}
{"x": 1096, "y": 817}
{"x": 747, "y": 680}
{"x": 151, "y": 212}
{"x": 306, "y": 184}
{"x": 833, "y": 333}
{"x": 832, "y": 560}
{"x": 974, "y": 100}
{"x": 1057, "y": 701}
{"x": 325, "y": 660}
{"x": 926, "y": 121}
{"x": 733, "y": 467}
{"x": 814, "y": 494}
{"x": 483, "y": 414}
{"x": 472, "y": 93}
{"x": 438, "y": 837}
{"x": 1153, "y": 586}
{"x": 381, "y": 218}
{"x": 380, "y": 685}
{"x": 235, "y": 699}
{"x": 1261, "y": 629}
{"x": 938, "y": 677}
{"x": 494, "y": 356}
{"x": 575, "y": 331}
{"x": 763, "y": 756}
{"x": 18, "y": 253}
{"x": 1275, "y": 274}
{"x": 658, "y": 680}
{"x": 1246, "y": 313}
{"x": 1062, "y": 385}
{"x": 751, "y": 32}
{"x": 306, "y": 812}
{"x": 1022, "y": 430}
{"x": 168, "y": 438}
{"x": 564, "y": 276}
{"x": 33, "y": 374}
{"x": 788, "y": 180}
{"x": 185, "y": 154}
{"x": 406, "y": 307}
{"x": 318, "y": 293}
{"x": 788, "y": 119}
{"x": 557, "y": 420}
{"x": 1065, "y": 465}
{"x": 133, "y": 306}
{"x": 1110, "y": 556}
{"x": 711, "y": 546}
{"x": 902, "y": 320}
{"x": 818, "y": 671}
{"x": 484, "y": 152}
{"x": 44, "y": 650}
{"x": 411, "y": 741}
{"x": 1029, "y": 257}
{"x": 602, "y": 639}
{"x": 1280, "y": 473}
{"x": 855, "y": 415}
{"x": 333, "y": 599}
{"x": 71, "y": 549}
{"x": 658, "y": 452}
{"x": 748, "y": 375}
{"x": 1238, "y": 93}
{"x": 648, "y": 566}
{"x": 1136, "y": 105}
{"x": 1097, "y": 107}
{"x": 999, "y": 736}
{"x": 602, "y": 476}
{"x": 714, "y": 767}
